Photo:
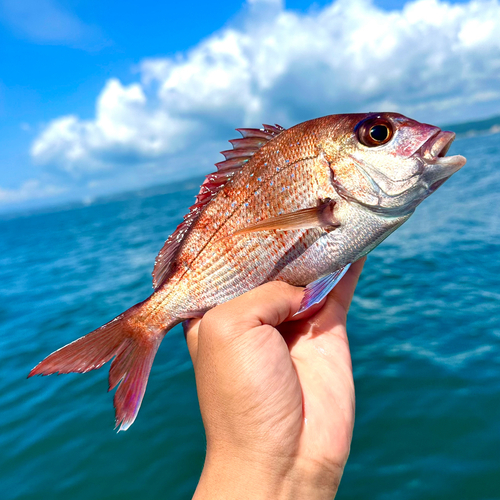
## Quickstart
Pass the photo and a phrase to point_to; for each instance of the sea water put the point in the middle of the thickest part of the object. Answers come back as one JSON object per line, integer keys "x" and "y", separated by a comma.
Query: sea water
{"x": 424, "y": 331}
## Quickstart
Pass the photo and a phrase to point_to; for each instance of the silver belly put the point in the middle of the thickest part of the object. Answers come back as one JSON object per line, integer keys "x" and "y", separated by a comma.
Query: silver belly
{"x": 359, "y": 233}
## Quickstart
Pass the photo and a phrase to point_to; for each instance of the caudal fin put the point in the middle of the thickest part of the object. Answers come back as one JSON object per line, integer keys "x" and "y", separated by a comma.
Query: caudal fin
{"x": 132, "y": 345}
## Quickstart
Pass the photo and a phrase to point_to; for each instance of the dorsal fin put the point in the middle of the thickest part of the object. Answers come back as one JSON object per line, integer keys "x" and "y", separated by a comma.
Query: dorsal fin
{"x": 243, "y": 149}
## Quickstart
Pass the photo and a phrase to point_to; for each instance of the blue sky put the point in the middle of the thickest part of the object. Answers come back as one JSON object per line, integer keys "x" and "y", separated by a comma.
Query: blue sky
{"x": 103, "y": 96}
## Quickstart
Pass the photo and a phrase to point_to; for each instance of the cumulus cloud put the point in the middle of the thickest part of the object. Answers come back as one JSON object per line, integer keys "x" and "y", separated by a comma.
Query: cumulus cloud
{"x": 431, "y": 60}
{"x": 126, "y": 129}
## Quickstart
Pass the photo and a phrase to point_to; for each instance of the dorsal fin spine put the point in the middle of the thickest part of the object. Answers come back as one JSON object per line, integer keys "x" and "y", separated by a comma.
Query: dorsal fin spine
{"x": 273, "y": 130}
{"x": 245, "y": 142}
{"x": 238, "y": 153}
{"x": 254, "y": 132}
{"x": 239, "y": 161}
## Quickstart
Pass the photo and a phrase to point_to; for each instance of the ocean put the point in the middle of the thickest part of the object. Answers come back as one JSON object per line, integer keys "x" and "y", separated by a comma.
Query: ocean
{"x": 424, "y": 331}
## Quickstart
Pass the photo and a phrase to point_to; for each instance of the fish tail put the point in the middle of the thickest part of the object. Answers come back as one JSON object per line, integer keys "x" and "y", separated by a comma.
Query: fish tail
{"x": 133, "y": 345}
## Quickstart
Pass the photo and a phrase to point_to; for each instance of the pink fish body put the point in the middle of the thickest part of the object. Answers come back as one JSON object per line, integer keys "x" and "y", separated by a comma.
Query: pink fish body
{"x": 297, "y": 205}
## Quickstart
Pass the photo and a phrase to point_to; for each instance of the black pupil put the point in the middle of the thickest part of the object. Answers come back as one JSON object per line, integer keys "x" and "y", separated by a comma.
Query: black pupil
{"x": 379, "y": 133}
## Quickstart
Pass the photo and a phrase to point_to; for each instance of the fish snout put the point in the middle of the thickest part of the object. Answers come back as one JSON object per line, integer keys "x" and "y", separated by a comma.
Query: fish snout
{"x": 440, "y": 167}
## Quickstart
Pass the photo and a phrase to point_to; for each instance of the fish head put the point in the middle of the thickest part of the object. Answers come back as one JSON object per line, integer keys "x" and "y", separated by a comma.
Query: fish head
{"x": 387, "y": 162}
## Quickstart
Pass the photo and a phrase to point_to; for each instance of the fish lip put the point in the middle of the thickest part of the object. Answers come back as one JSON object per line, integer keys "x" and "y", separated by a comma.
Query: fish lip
{"x": 437, "y": 145}
{"x": 439, "y": 167}
{"x": 434, "y": 150}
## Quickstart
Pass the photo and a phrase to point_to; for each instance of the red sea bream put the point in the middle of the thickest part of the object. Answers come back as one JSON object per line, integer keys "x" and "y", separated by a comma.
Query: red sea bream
{"x": 297, "y": 205}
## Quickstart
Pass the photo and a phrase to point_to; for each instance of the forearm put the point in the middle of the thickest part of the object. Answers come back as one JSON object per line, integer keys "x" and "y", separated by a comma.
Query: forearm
{"x": 230, "y": 478}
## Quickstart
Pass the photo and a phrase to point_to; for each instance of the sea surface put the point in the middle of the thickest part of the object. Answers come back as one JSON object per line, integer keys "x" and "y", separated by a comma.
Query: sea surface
{"x": 424, "y": 331}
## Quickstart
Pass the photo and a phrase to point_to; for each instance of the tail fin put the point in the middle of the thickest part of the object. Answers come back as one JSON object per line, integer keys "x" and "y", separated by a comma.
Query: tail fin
{"x": 133, "y": 346}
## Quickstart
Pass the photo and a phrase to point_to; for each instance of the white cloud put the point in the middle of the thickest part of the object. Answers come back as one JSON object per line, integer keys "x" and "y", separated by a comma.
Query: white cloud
{"x": 126, "y": 128}
{"x": 29, "y": 190}
{"x": 432, "y": 60}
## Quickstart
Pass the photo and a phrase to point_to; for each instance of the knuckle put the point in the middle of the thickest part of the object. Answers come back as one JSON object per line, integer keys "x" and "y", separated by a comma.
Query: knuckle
{"x": 215, "y": 323}
{"x": 211, "y": 317}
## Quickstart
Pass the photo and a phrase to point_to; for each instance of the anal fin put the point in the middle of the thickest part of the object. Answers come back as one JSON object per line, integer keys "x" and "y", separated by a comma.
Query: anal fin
{"x": 316, "y": 291}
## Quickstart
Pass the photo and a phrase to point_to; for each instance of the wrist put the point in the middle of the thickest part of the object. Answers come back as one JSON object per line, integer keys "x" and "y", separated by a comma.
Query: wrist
{"x": 228, "y": 476}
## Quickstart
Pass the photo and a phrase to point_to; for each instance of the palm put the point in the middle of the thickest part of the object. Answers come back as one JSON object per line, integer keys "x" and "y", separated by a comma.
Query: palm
{"x": 300, "y": 375}
{"x": 320, "y": 354}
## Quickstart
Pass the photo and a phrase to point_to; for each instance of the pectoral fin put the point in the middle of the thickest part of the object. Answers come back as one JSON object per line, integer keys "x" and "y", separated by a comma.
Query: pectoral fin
{"x": 317, "y": 290}
{"x": 307, "y": 218}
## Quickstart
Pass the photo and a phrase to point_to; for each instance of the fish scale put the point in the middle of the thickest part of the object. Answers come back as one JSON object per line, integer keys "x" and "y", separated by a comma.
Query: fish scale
{"x": 297, "y": 205}
{"x": 251, "y": 252}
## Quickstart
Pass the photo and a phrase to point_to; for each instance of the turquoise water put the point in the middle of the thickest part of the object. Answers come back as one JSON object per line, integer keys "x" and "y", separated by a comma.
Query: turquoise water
{"x": 424, "y": 331}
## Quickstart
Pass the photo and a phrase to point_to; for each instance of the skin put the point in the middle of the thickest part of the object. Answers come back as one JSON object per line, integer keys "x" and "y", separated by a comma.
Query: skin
{"x": 276, "y": 393}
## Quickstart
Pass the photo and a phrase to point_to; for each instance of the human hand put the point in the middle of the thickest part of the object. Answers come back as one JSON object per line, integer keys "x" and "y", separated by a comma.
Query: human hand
{"x": 276, "y": 393}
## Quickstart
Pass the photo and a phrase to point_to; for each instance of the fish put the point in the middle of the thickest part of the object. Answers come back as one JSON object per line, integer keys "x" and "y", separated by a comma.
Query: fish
{"x": 298, "y": 205}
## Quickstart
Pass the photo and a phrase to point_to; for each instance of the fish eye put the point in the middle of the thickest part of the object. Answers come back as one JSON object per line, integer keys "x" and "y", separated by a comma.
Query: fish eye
{"x": 375, "y": 132}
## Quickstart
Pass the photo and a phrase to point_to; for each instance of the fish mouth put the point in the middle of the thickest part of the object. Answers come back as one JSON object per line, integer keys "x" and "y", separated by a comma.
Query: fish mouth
{"x": 433, "y": 152}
